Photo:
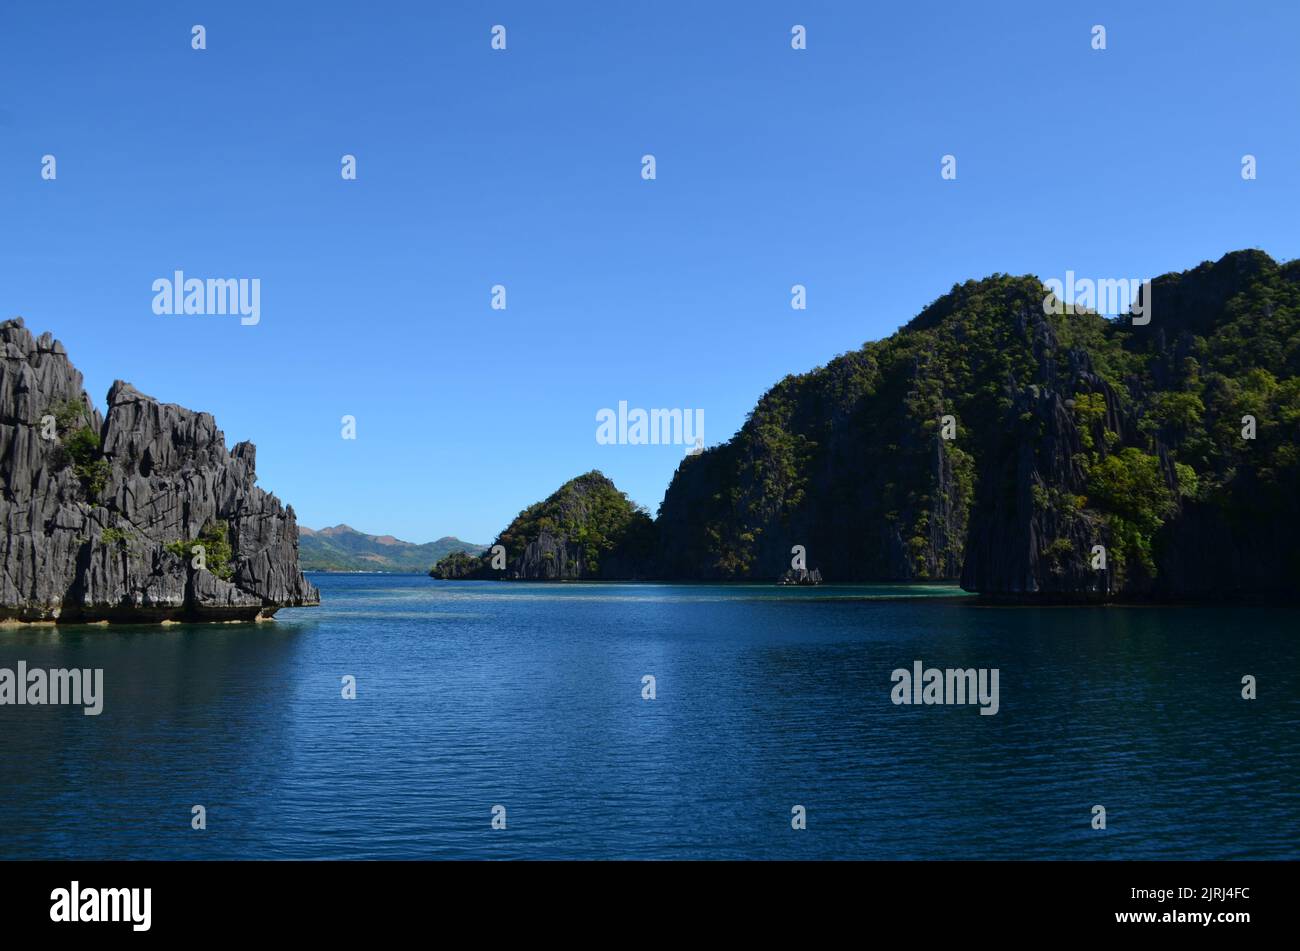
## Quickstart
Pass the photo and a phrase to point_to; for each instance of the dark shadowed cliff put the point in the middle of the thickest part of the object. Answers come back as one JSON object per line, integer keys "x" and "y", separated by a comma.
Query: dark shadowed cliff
{"x": 102, "y": 514}
{"x": 1070, "y": 432}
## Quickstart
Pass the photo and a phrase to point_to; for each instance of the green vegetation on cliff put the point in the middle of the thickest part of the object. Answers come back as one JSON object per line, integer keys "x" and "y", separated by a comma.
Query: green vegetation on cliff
{"x": 1027, "y": 452}
{"x": 591, "y": 515}
{"x": 214, "y": 538}
{"x": 1071, "y": 430}
{"x": 79, "y": 446}
{"x": 586, "y": 529}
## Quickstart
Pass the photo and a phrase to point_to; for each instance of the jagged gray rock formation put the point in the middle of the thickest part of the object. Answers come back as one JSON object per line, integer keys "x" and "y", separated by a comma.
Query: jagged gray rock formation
{"x": 548, "y": 558}
{"x": 101, "y": 514}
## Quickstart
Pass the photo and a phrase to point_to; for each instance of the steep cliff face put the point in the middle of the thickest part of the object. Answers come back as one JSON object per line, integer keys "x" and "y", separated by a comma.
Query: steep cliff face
{"x": 1032, "y": 531}
{"x": 1219, "y": 391}
{"x": 851, "y": 462}
{"x": 1152, "y": 459}
{"x": 1035, "y": 456}
{"x": 102, "y": 514}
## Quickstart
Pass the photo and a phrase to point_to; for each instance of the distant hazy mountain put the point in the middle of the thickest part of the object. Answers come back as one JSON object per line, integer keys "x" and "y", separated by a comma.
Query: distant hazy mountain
{"x": 343, "y": 548}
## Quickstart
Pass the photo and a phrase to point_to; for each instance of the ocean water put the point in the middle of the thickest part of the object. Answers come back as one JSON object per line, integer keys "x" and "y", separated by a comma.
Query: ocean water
{"x": 473, "y": 695}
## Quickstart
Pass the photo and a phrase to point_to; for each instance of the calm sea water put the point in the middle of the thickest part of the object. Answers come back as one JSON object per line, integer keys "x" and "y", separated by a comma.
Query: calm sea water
{"x": 475, "y": 694}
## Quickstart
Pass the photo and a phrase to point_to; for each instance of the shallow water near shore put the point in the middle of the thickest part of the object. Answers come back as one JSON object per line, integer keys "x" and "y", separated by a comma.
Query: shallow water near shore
{"x": 476, "y": 694}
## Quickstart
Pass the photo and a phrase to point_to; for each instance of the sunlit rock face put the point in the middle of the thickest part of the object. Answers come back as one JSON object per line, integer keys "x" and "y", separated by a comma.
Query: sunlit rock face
{"x": 103, "y": 514}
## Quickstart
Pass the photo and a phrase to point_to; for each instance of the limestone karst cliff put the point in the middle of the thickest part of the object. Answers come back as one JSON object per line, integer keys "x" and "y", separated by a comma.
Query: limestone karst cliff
{"x": 1173, "y": 445}
{"x": 102, "y": 514}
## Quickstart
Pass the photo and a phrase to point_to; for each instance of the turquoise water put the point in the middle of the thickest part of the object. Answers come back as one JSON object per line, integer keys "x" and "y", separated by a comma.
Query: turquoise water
{"x": 477, "y": 694}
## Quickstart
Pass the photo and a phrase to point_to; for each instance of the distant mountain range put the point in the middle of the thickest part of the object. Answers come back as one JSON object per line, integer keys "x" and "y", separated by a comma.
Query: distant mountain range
{"x": 343, "y": 548}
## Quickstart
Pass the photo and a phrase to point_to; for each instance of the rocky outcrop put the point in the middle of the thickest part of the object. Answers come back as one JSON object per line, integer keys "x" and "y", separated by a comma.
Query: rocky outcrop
{"x": 103, "y": 514}
{"x": 549, "y": 557}
{"x": 587, "y": 530}
{"x": 800, "y": 576}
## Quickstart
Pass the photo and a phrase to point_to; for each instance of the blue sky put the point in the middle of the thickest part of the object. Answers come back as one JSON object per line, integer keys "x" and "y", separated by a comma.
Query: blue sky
{"x": 478, "y": 167}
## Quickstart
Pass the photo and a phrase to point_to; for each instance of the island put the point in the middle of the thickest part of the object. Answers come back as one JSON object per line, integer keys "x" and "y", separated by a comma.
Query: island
{"x": 140, "y": 515}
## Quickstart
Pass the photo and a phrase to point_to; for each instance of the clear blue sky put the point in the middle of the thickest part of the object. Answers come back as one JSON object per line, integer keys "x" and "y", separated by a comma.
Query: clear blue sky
{"x": 522, "y": 168}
